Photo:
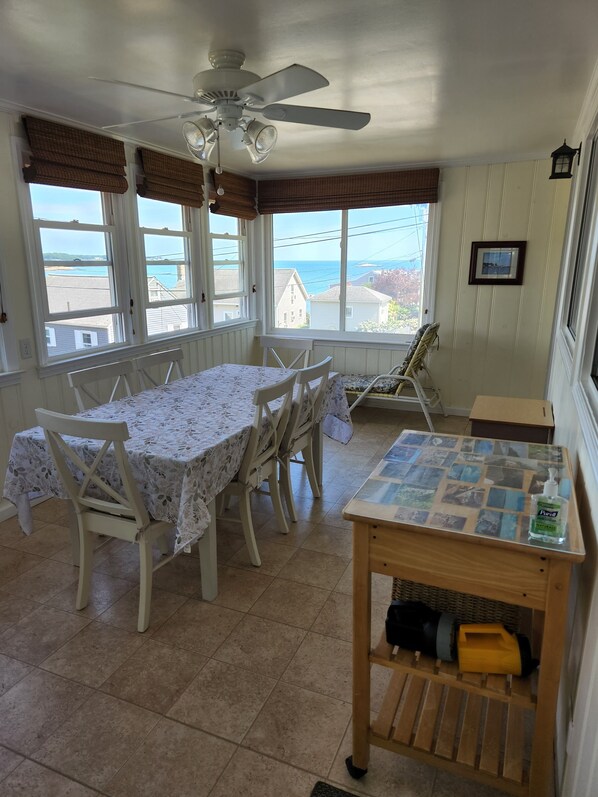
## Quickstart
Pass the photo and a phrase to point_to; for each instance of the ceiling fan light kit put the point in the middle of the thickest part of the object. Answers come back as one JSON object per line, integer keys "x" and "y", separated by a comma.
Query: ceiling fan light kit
{"x": 228, "y": 90}
{"x": 201, "y": 137}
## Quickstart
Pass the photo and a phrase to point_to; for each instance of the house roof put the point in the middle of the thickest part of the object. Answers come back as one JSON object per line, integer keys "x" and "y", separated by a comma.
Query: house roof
{"x": 282, "y": 278}
{"x": 356, "y": 294}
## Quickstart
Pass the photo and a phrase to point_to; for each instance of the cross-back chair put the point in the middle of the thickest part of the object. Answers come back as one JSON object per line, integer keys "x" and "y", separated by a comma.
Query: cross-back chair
{"x": 297, "y": 351}
{"x": 391, "y": 386}
{"x": 146, "y": 368}
{"x": 102, "y": 508}
{"x": 87, "y": 387}
{"x": 299, "y": 435}
{"x": 260, "y": 460}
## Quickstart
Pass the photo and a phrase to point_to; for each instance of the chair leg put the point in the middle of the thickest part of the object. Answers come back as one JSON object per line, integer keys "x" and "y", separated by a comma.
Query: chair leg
{"x": 86, "y": 541}
{"x": 275, "y": 495}
{"x": 145, "y": 584}
{"x": 247, "y": 522}
{"x": 163, "y": 545}
{"x": 287, "y": 491}
{"x": 308, "y": 456}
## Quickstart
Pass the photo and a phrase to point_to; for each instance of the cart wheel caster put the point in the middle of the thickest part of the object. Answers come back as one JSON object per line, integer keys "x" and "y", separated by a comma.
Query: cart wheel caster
{"x": 354, "y": 771}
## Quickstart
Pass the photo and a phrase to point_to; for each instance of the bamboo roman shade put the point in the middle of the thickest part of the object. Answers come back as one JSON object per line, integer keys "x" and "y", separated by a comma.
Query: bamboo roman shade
{"x": 73, "y": 158}
{"x": 343, "y": 192}
{"x": 239, "y": 196}
{"x": 171, "y": 179}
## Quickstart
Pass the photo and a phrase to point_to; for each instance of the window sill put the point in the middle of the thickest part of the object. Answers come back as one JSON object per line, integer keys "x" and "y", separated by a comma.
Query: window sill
{"x": 347, "y": 340}
{"x": 8, "y": 378}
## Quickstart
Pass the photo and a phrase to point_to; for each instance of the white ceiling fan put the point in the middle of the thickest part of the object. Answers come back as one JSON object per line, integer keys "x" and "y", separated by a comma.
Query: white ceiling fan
{"x": 233, "y": 95}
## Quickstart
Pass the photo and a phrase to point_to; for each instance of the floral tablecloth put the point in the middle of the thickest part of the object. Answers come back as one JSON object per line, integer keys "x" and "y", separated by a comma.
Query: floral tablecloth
{"x": 186, "y": 443}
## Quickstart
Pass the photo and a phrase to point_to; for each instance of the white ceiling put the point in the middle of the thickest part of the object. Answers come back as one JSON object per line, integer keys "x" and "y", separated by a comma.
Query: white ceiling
{"x": 446, "y": 81}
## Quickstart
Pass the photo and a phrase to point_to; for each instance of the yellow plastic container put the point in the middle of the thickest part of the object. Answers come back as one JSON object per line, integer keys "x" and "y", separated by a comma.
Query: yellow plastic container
{"x": 488, "y": 647}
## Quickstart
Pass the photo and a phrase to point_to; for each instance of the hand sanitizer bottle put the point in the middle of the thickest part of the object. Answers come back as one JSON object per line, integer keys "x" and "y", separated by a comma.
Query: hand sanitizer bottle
{"x": 548, "y": 513}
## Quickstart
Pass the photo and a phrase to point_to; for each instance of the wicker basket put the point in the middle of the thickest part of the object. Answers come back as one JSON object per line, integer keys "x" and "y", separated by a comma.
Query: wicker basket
{"x": 466, "y": 608}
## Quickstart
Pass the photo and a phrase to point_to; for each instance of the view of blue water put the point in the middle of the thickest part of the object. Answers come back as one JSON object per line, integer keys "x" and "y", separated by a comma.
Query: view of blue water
{"x": 317, "y": 275}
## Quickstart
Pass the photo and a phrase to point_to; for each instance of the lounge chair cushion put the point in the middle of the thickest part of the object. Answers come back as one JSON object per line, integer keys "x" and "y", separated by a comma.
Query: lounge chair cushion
{"x": 357, "y": 383}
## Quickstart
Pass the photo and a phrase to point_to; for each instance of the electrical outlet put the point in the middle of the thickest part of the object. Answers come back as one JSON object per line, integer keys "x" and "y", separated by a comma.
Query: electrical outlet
{"x": 25, "y": 348}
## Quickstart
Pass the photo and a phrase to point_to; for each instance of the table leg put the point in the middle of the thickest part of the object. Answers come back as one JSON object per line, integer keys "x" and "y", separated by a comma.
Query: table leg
{"x": 208, "y": 560}
{"x": 551, "y": 656}
{"x": 74, "y": 533}
{"x": 362, "y": 578}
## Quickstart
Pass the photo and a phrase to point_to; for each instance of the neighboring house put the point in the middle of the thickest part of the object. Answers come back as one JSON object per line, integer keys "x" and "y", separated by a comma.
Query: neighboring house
{"x": 363, "y": 304}
{"x": 368, "y": 278}
{"x": 226, "y": 280}
{"x": 67, "y": 292}
{"x": 290, "y": 299}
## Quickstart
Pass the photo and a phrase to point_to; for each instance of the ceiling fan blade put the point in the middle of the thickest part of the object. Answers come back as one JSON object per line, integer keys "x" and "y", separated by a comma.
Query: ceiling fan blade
{"x": 325, "y": 117}
{"x": 147, "y": 88}
{"x": 288, "y": 82}
{"x": 145, "y": 121}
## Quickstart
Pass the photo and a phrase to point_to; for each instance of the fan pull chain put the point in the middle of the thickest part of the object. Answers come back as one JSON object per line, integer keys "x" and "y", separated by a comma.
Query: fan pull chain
{"x": 220, "y": 189}
{"x": 3, "y": 316}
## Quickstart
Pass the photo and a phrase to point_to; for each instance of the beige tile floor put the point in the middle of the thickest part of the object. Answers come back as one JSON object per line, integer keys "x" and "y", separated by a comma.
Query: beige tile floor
{"x": 249, "y": 695}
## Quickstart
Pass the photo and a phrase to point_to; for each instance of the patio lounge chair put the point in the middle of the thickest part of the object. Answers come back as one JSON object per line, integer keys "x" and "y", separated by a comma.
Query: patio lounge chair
{"x": 391, "y": 386}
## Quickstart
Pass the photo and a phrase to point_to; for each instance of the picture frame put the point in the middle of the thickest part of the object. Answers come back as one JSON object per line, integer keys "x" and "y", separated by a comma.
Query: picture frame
{"x": 497, "y": 262}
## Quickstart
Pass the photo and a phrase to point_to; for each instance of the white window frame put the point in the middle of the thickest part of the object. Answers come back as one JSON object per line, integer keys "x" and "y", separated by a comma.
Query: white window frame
{"x": 427, "y": 291}
{"x": 116, "y": 258}
{"x": 80, "y": 339}
{"x": 581, "y": 255}
{"x": 189, "y": 232}
{"x": 50, "y": 333}
{"x": 242, "y": 293}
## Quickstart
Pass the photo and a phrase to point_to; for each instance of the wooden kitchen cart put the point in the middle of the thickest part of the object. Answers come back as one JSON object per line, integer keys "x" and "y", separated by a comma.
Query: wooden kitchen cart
{"x": 452, "y": 513}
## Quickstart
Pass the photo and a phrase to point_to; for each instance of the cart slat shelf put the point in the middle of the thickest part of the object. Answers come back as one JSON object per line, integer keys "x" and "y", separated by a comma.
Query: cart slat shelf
{"x": 508, "y": 688}
{"x": 480, "y": 737}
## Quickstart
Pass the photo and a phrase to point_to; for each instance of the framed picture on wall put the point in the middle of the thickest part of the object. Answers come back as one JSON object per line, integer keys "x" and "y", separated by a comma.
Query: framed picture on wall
{"x": 497, "y": 262}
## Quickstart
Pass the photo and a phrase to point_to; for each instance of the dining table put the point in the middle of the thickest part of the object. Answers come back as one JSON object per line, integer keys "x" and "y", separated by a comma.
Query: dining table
{"x": 187, "y": 440}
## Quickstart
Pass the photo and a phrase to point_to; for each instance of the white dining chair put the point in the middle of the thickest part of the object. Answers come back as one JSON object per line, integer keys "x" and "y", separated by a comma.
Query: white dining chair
{"x": 146, "y": 368}
{"x": 297, "y": 351}
{"x": 111, "y": 510}
{"x": 299, "y": 435}
{"x": 260, "y": 461}
{"x": 88, "y": 390}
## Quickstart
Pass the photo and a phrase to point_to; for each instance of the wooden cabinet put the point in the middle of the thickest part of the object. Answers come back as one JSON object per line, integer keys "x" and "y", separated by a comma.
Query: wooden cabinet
{"x": 529, "y": 420}
{"x": 474, "y": 725}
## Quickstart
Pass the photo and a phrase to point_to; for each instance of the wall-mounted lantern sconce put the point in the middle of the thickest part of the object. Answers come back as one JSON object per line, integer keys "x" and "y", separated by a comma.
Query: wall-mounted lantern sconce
{"x": 562, "y": 161}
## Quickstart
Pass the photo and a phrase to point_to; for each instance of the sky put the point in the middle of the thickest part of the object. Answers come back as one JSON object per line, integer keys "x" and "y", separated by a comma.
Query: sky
{"x": 375, "y": 234}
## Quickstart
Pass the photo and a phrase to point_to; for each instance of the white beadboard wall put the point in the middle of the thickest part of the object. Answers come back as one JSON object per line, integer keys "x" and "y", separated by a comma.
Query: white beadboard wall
{"x": 494, "y": 340}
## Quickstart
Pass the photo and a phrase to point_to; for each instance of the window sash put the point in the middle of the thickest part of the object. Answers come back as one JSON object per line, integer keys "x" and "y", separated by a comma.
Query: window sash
{"x": 430, "y": 250}
{"x": 116, "y": 331}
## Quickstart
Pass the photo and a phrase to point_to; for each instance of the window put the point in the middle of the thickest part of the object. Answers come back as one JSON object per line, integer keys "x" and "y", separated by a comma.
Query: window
{"x": 587, "y": 216}
{"x": 85, "y": 339}
{"x": 228, "y": 268}
{"x": 165, "y": 229}
{"x": 363, "y": 270}
{"x": 76, "y": 278}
